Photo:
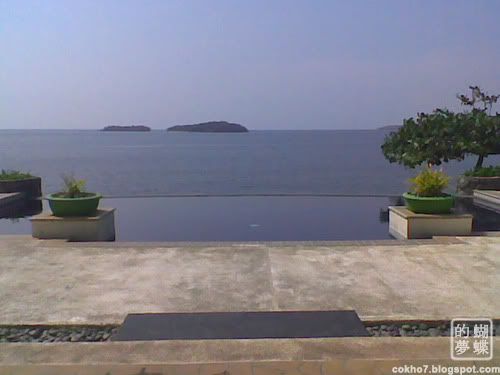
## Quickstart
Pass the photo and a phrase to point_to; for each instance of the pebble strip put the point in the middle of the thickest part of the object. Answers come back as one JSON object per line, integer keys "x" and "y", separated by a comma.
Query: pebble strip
{"x": 415, "y": 329}
{"x": 100, "y": 334}
{"x": 56, "y": 334}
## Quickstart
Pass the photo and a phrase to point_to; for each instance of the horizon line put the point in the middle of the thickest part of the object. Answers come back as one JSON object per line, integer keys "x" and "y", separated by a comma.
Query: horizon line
{"x": 165, "y": 129}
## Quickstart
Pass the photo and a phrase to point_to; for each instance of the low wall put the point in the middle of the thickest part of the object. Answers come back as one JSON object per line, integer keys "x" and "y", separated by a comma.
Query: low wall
{"x": 31, "y": 187}
{"x": 467, "y": 184}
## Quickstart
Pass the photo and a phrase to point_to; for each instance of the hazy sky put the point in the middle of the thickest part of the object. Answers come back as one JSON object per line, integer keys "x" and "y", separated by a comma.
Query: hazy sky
{"x": 265, "y": 64}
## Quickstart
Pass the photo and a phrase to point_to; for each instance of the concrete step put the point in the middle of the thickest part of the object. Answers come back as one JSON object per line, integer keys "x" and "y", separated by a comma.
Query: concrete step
{"x": 7, "y": 199}
{"x": 230, "y": 357}
{"x": 487, "y": 198}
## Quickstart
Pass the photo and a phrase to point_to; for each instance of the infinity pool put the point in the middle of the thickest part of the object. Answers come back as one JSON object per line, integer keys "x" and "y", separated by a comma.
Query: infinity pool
{"x": 292, "y": 218}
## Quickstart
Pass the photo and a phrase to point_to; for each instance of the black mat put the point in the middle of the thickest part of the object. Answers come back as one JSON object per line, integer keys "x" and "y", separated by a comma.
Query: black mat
{"x": 240, "y": 325}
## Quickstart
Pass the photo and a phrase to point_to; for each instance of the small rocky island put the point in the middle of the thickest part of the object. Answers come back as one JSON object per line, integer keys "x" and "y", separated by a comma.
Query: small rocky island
{"x": 210, "y": 127}
{"x": 129, "y": 128}
{"x": 391, "y": 128}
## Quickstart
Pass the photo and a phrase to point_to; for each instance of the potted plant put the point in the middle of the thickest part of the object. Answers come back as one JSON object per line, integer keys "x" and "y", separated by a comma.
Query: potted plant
{"x": 12, "y": 181}
{"x": 73, "y": 200}
{"x": 427, "y": 195}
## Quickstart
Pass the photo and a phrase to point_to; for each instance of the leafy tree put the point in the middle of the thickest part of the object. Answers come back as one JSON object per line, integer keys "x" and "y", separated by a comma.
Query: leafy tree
{"x": 443, "y": 135}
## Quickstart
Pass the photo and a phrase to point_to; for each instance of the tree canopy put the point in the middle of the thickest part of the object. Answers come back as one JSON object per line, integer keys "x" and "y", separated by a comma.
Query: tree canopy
{"x": 443, "y": 135}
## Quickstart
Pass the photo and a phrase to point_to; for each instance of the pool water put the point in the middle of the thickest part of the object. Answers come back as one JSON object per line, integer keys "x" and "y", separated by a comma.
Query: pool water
{"x": 257, "y": 218}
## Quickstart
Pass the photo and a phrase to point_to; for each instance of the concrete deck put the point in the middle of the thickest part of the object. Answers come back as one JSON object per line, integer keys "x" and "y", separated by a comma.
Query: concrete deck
{"x": 53, "y": 282}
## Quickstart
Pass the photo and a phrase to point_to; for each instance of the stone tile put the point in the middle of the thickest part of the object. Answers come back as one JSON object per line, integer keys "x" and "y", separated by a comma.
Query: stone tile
{"x": 319, "y": 279}
{"x": 100, "y": 285}
{"x": 396, "y": 282}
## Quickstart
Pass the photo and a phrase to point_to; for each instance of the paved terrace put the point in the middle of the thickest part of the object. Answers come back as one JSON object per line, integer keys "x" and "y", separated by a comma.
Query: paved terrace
{"x": 53, "y": 282}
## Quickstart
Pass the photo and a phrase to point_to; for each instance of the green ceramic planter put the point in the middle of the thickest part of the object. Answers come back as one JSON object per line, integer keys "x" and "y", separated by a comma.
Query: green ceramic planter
{"x": 429, "y": 205}
{"x": 82, "y": 206}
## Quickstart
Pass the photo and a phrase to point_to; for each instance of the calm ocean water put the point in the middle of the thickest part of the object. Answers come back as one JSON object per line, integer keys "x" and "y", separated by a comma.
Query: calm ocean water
{"x": 259, "y": 162}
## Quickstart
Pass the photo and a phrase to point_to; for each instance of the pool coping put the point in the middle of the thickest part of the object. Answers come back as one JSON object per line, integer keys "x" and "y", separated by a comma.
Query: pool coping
{"x": 444, "y": 240}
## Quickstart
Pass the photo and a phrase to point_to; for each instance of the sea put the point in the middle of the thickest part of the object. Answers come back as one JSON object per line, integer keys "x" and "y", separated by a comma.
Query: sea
{"x": 157, "y": 163}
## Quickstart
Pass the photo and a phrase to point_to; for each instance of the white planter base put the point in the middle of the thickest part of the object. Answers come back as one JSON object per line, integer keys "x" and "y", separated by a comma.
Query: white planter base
{"x": 87, "y": 229}
{"x": 404, "y": 224}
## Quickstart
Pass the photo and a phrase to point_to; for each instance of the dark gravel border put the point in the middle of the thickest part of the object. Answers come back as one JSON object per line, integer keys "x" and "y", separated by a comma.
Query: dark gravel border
{"x": 56, "y": 333}
{"x": 104, "y": 333}
{"x": 415, "y": 329}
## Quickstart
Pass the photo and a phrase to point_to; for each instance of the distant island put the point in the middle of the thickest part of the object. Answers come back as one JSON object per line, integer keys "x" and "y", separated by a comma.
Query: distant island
{"x": 390, "y": 127}
{"x": 130, "y": 128}
{"x": 210, "y": 127}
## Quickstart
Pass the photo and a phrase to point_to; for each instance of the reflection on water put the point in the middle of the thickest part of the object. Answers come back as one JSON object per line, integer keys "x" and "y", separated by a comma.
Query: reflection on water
{"x": 383, "y": 216}
{"x": 21, "y": 209}
{"x": 484, "y": 219}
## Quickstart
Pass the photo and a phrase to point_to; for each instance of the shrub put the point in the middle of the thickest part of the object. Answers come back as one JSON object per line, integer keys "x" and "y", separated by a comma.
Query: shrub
{"x": 73, "y": 188}
{"x": 442, "y": 135}
{"x": 429, "y": 183}
{"x": 491, "y": 171}
{"x": 10, "y": 175}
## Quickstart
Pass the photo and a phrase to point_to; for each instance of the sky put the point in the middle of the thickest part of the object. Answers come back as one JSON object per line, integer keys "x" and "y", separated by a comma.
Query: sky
{"x": 288, "y": 64}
